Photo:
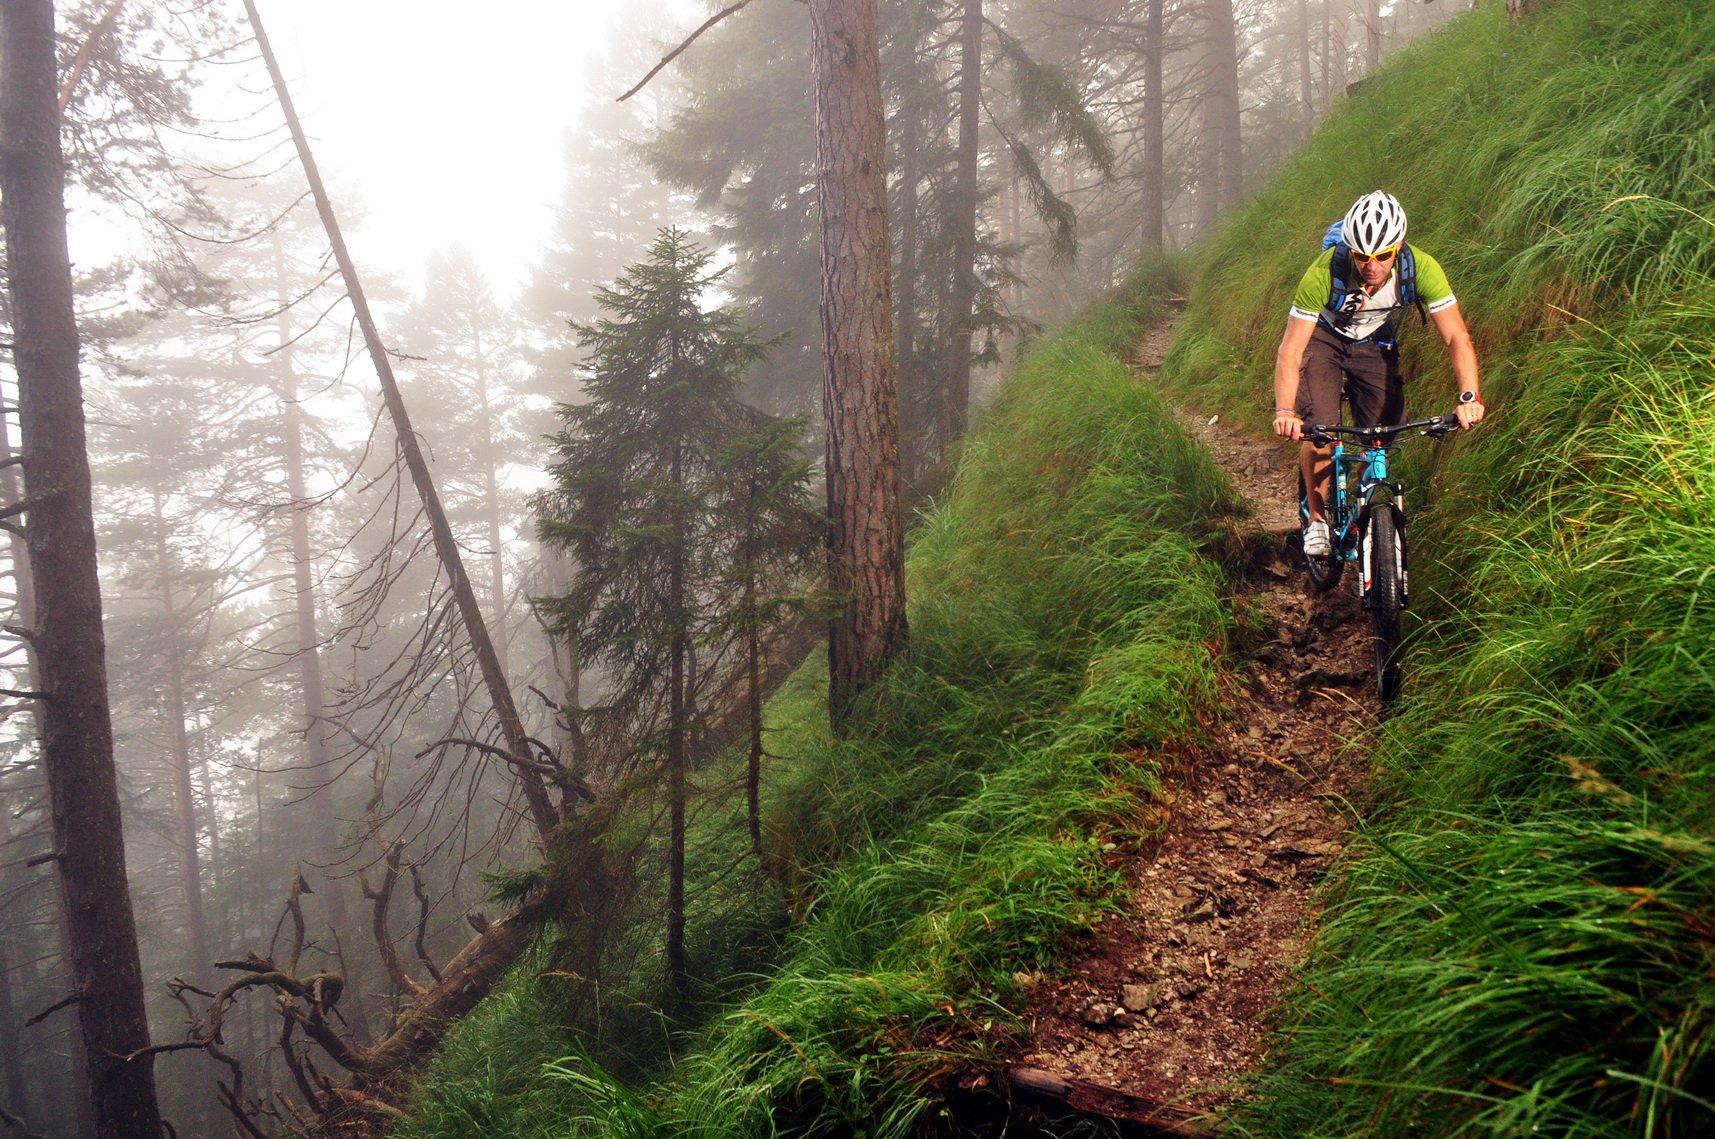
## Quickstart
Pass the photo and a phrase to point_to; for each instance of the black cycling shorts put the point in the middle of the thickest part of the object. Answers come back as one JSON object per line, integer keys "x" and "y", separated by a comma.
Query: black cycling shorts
{"x": 1364, "y": 371}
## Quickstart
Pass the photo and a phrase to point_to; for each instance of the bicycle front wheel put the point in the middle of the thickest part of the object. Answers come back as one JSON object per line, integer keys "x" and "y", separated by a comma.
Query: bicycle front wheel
{"x": 1384, "y": 557}
{"x": 1324, "y": 572}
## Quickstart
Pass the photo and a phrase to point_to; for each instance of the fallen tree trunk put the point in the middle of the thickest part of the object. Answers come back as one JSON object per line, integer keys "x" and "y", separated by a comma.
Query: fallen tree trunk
{"x": 1134, "y": 1115}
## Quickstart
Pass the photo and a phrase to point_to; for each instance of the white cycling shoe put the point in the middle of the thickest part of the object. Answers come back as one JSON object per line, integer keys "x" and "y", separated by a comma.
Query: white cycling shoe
{"x": 1318, "y": 543}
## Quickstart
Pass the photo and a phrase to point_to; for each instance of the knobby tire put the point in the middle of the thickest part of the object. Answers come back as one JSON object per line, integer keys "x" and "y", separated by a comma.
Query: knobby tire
{"x": 1385, "y": 538}
{"x": 1324, "y": 572}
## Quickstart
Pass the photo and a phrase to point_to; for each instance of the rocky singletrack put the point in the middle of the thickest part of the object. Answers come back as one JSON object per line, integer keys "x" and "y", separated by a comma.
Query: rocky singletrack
{"x": 1167, "y": 1006}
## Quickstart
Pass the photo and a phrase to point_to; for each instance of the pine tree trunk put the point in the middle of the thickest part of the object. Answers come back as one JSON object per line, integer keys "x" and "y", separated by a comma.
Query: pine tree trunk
{"x": 677, "y": 730}
{"x": 866, "y": 563}
{"x": 1338, "y": 28}
{"x": 318, "y": 762}
{"x": 76, "y": 729}
{"x": 11, "y": 1055}
{"x": 184, "y": 800}
{"x": 1372, "y": 36}
{"x": 25, "y": 614}
{"x": 956, "y": 373}
{"x": 753, "y": 695}
{"x": 1306, "y": 68}
{"x": 1154, "y": 132}
{"x": 1221, "y": 158}
{"x": 1327, "y": 73}
{"x": 914, "y": 426}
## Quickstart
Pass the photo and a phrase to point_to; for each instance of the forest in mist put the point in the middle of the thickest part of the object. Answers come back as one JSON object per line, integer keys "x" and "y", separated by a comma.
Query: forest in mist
{"x": 318, "y": 793}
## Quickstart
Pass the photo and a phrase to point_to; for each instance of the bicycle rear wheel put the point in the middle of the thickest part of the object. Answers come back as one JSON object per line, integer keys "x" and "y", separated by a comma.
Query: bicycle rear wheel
{"x": 1384, "y": 553}
{"x": 1324, "y": 572}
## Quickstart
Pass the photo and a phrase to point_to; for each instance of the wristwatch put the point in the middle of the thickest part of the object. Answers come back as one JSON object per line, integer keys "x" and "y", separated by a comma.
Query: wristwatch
{"x": 1469, "y": 397}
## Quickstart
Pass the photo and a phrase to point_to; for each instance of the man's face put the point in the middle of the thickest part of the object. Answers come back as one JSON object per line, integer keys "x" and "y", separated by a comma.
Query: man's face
{"x": 1375, "y": 269}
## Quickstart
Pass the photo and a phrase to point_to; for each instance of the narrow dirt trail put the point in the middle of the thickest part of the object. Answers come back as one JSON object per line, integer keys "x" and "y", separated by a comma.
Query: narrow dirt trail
{"x": 1166, "y": 1007}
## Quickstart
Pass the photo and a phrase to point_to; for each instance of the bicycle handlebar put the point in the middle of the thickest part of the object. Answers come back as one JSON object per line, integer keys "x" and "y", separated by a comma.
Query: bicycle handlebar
{"x": 1435, "y": 427}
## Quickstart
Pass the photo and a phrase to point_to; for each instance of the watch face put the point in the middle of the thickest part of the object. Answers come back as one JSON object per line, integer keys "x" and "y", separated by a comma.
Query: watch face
{"x": 1467, "y": 397}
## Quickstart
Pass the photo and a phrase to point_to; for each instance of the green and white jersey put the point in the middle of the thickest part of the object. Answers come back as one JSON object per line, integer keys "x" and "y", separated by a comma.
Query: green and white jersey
{"x": 1372, "y": 311}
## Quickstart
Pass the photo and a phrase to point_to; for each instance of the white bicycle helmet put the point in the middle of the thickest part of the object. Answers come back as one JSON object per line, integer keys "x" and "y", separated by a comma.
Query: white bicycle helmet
{"x": 1375, "y": 222}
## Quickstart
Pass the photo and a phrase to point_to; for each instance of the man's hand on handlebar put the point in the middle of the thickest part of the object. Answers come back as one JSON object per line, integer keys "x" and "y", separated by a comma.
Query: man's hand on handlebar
{"x": 1469, "y": 414}
{"x": 1288, "y": 424}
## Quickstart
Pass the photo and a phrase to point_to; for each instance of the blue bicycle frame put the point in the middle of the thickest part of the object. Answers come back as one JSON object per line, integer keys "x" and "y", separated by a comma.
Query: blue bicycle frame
{"x": 1366, "y": 519}
{"x": 1357, "y": 479}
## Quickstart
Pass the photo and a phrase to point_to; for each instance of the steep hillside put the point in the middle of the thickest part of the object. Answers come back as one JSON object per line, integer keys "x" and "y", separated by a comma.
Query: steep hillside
{"x": 1521, "y": 937}
{"x": 1068, "y": 618}
{"x": 1525, "y": 941}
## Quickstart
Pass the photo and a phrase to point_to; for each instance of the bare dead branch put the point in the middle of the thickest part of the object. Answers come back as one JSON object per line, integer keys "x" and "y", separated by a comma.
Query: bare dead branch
{"x": 680, "y": 50}
{"x": 521, "y": 762}
{"x": 22, "y": 506}
{"x": 423, "y": 923}
{"x": 67, "y": 1002}
{"x": 295, "y": 910}
{"x": 382, "y": 898}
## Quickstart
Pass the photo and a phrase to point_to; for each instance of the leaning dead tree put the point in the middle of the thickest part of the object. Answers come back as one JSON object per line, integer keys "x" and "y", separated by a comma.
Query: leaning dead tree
{"x": 338, "y": 1074}
{"x": 519, "y": 750}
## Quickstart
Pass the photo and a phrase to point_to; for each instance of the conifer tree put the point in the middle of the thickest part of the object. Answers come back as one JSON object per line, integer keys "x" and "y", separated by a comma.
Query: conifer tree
{"x": 636, "y": 479}
{"x": 771, "y": 534}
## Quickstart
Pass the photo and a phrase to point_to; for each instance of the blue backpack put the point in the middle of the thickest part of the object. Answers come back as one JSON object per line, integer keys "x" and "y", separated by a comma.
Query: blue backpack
{"x": 1340, "y": 269}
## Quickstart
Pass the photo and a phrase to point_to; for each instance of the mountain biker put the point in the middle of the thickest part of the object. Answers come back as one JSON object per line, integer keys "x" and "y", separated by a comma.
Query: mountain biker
{"x": 1346, "y": 343}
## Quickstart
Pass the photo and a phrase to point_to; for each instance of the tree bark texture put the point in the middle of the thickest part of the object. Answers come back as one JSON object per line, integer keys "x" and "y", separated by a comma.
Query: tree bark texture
{"x": 75, "y": 724}
{"x": 866, "y": 535}
{"x": 542, "y": 811}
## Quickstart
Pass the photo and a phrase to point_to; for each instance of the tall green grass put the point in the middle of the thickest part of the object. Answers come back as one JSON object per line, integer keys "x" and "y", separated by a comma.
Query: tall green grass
{"x": 1526, "y": 943}
{"x": 1065, "y": 618}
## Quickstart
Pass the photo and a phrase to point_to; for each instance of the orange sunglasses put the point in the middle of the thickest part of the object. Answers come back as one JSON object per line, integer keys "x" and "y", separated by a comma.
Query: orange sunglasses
{"x": 1365, "y": 258}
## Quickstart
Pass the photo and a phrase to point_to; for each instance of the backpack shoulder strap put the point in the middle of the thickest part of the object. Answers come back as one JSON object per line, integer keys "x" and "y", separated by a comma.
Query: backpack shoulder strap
{"x": 1408, "y": 283}
{"x": 1339, "y": 273}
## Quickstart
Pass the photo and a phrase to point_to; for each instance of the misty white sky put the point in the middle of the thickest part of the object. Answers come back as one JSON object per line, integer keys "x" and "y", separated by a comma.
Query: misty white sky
{"x": 448, "y": 117}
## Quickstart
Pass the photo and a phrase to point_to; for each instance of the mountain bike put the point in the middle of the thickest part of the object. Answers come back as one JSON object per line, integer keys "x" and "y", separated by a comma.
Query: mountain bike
{"x": 1366, "y": 516}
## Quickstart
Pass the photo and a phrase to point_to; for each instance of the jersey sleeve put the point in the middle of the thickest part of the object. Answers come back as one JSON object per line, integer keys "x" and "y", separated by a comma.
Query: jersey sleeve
{"x": 1432, "y": 287}
{"x": 1313, "y": 288}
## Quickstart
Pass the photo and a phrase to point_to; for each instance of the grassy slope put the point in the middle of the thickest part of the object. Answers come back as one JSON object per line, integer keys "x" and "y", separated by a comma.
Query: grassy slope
{"x": 1529, "y": 945}
{"x": 1064, "y": 620}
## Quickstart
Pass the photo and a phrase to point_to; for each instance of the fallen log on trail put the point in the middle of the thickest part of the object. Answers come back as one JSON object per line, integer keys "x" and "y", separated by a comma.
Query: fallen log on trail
{"x": 1133, "y": 1115}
